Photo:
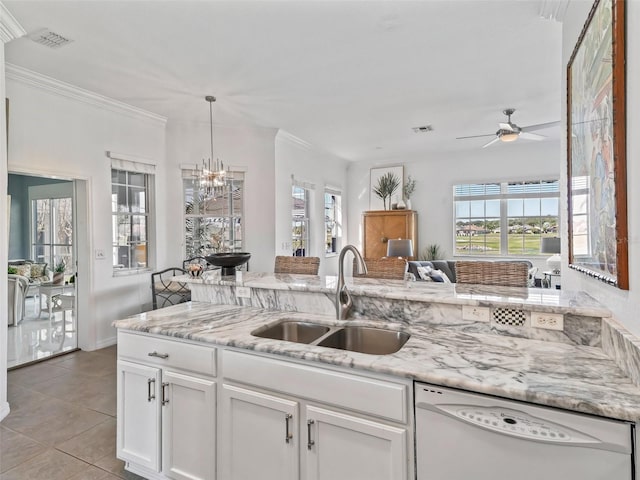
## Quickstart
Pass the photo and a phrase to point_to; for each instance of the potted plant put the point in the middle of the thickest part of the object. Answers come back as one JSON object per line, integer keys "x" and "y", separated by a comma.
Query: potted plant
{"x": 386, "y": 186}
{"x": 408, "y": 190}
{"x": 432, "y": 252}
{"x": 58, "y": 273}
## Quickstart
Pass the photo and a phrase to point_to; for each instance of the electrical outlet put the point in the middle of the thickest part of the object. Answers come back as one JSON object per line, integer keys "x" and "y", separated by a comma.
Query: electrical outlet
{"x": 99, "y": 254}
{"x": 477, "y": 314}
{"x": 243, "y": 292}
{"x": 549, "y": 321}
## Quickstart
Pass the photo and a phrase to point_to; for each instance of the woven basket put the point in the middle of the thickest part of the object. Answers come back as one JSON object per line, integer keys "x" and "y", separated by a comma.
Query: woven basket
{"x": 301, "y": 265}
{"x": 387, "y": 268}
{"x": 507, "y": 274}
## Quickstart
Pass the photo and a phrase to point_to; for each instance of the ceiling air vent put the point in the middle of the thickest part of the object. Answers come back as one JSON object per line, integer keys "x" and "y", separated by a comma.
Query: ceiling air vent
{"x": 49, "y": 39}
{"x": 423, "y": 129}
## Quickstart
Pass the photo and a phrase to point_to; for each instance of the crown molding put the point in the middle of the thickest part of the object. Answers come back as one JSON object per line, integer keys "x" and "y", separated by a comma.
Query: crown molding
{"x": 292, "y": 139}
{"x": 10, "y": 29}
{"x": 58, "y": 87}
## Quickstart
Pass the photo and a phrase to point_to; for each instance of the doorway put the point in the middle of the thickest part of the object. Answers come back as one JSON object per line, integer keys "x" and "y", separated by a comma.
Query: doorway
{"x": 43, "y": 313}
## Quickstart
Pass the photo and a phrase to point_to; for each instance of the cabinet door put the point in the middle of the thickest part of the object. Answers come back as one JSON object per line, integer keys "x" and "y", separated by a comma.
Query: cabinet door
{"x": 188, "y": 427}
{"x": 343, "y": 447}
{"x": 259, "y": 436}
{"x": 138, "y": 407}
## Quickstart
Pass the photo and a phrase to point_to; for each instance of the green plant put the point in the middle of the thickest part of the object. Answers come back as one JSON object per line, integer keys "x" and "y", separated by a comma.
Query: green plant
{"x": 12, "y": 270}
{"x": 386, "y": 186}
{"x": 409, "y": 187}
{"x": 432, "y": 252}
{"x": 60, "y": 267}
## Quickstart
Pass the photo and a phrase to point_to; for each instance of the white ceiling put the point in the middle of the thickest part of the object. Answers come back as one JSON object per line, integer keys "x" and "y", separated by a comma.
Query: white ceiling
{"x": 350, "y": 76}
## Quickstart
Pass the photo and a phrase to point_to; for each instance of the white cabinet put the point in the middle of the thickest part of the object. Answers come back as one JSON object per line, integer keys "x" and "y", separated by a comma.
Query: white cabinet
{"x": 349, "y": 447}
{"x": 262, "y": 435}
{"x": 166, "y": 416}
{"x": 138, "y": 421}
{"x": 258, "y": 436}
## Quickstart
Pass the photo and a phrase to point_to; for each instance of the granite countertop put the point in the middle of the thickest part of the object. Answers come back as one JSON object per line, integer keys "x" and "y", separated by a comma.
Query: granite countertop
{"x": 543, "y": 299}
{"x": 578, "y": 378}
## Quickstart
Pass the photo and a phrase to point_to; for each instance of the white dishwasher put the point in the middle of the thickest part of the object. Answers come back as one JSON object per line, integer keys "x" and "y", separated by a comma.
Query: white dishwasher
{"x": 468, "y": 436}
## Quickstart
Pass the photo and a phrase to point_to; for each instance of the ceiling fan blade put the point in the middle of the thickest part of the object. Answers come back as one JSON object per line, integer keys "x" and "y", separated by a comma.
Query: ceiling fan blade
{"x": 506, "y": 126}
{"x": 491, "y": 142}
{"x": 540, "y": 126}
{"x": 531, "y": 136}
{"x": 476, "y": 136}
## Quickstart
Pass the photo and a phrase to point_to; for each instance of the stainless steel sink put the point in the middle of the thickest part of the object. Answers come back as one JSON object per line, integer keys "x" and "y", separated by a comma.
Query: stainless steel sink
{"x": 374, "y": 341}
{"x": 292, "y": 331}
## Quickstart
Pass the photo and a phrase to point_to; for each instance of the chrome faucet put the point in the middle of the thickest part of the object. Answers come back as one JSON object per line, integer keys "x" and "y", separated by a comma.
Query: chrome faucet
{"x": 343, "y": 297}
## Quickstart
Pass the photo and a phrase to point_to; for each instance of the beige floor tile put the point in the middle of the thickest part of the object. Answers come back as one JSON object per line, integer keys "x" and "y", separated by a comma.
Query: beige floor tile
{"x": 95, "y": 393}
{"x": 94, "y": 473}
{"x": 116, "y": 467}
{"x": 94, "y": 444}
{"x": 90, "y": 364}
{"x": 29, "y": 376}
{"x": 49, "y": 465}
{"x": 53, "y": 421}
{"x": 16, "y": 448}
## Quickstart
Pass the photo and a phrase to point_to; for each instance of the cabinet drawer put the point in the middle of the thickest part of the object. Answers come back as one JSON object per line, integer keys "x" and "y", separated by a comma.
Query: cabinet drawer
{"x": 380, "y": 398}
{"x": 167, "y": 353}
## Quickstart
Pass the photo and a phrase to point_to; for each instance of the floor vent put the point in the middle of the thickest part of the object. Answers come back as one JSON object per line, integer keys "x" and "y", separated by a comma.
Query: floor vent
{"x": 49, "y": 39}
{"x": 509, "y": 316}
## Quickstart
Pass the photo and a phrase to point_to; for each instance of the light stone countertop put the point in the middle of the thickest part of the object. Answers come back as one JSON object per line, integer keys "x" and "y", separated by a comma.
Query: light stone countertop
{"x": 543, "y": 299}
{"x": 578, "y": 378}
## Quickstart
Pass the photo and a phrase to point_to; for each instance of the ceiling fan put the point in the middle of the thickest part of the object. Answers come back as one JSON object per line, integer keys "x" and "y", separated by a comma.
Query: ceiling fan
{"x": 509, "y": 132}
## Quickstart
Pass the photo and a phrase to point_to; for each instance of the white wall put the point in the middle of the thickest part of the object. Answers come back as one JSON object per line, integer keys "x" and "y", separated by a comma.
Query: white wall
{"x": 322, "y": 169}
{"x": 435, "y": 177}
{"x": 624, "y": 304}
{"x": 53, "y": 134}
{"x": 250, "y": 148}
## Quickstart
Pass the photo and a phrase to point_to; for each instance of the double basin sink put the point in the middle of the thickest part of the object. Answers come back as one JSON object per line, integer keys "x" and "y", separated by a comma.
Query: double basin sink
{"x": 374, "y": 341}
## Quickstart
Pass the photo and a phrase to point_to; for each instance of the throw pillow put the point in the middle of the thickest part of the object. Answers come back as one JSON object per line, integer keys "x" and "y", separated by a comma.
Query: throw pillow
{"x": 38, "y": 270}
{"x": 24, "y": 270}
{"x": 423, "y": 273}
{"x": 439, "y": 276}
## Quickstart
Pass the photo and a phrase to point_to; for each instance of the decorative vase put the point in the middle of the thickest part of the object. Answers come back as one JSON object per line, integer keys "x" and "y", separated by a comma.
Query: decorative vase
{"x": 58, "y": 278}
{"x": 408, "y": 203}
{"x": 401, "y": 205}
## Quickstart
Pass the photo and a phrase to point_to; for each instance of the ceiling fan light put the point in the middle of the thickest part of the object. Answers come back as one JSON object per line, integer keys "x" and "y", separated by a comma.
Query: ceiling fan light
{"x": 509, "y": 137}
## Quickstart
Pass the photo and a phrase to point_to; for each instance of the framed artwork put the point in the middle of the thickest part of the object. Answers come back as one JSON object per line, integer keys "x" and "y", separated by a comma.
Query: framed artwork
{"x": 375, "y": 202}
{"x": 596, "y": 147}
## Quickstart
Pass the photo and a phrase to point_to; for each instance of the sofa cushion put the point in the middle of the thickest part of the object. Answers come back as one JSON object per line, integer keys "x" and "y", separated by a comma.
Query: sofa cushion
{"x": 38, "y": 270}
{"x": 23, "y": 270}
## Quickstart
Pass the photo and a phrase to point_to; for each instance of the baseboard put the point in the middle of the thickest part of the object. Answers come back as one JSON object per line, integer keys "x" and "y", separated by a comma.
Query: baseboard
{"x": 4, "y": 410}
{"x": 107, "y": 342}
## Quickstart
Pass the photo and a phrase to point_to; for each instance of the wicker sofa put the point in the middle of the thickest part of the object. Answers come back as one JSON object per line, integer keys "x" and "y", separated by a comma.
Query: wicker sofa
{"x": 448, "y": 267}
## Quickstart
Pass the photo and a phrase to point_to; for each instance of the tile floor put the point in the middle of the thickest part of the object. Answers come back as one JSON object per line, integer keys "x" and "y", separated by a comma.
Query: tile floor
{"x": 62, "y": 424}
{"x": 35, "y": 337}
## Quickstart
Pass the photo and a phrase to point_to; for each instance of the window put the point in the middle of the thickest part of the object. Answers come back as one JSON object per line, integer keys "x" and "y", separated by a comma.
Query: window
{"x": 213, "y": 223}
{"x": 300, "y": 221}
{"x": 52, "y": 232}
{"x": 506, "y": 218}
{"x": 332, "y": 220}
{"x": 130, "y": 214}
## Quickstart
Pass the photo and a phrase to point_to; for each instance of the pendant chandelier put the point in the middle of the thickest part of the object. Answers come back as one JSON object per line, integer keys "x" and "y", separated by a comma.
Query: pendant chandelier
{"x": 211, "y": 177}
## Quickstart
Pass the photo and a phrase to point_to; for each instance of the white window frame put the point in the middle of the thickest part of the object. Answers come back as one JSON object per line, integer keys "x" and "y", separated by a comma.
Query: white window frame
{"x": 332, "y": 221}
{"x": 133, "y": 164}
{"x": 503, "y": 195}
{"x": 301, "y": 244}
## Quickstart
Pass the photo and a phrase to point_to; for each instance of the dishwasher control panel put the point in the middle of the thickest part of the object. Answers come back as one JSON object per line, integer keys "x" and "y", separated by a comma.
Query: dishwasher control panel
{"x": 516, "y": 423}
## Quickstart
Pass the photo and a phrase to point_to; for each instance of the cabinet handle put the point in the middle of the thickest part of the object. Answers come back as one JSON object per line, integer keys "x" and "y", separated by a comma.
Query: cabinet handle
{"x": 287, "y": 434}
{"x": 159, "y": 355}
{"x": 310, "y": 443}
{"x": 384, "y": 239}
{"x": 165, "y": 400}
{"x": 150, "y": 394}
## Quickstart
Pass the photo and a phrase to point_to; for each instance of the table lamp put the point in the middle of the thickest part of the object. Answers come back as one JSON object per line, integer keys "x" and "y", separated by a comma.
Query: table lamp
{"x": 400, "y": 248}
{"x": 552, "y": 245}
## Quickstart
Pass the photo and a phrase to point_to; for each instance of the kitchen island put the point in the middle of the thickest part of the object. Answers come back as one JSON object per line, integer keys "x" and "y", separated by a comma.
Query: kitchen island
{"x": 575, "y": 369}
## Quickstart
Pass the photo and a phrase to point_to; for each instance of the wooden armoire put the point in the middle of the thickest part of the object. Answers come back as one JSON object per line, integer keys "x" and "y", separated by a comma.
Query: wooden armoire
{"x": 379, "y": 226}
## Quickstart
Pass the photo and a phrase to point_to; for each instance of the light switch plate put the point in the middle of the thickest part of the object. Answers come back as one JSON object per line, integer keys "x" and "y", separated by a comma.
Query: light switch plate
{"x": 548, "y": 321}
{"x": 99, "y": 254}
{"x": 477, "y": 314}
{"x": 243, "y": 292}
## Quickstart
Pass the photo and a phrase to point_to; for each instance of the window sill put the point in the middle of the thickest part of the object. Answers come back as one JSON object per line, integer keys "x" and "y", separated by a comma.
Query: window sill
{"x": 330, "y": 255}
{"x": 130, "y": 271}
